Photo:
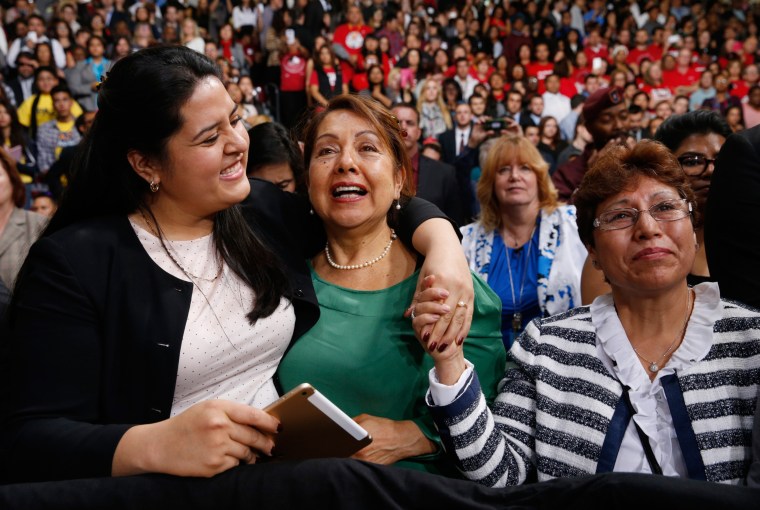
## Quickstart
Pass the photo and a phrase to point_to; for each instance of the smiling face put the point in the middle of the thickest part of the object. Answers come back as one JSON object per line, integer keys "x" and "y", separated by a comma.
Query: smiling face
{"x": 353, "y": 178}
{"x": 650, "y": 256}
{"x": 203, "y": 170}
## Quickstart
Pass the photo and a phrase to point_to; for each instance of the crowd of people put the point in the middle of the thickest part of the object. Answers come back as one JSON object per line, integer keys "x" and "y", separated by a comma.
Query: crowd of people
{"x": 581, "y": 327}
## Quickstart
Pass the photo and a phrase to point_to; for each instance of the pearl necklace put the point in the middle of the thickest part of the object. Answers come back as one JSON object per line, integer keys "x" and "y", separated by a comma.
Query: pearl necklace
{"x": 364, "y": 264}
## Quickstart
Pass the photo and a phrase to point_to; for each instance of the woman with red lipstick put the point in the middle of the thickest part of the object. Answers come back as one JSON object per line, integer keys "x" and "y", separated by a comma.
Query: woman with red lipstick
{"x": 525, "y": 245}
{"x": 655, "y": 377}
{"x": 149, "y": 320}
{"x": 357, "y": 185}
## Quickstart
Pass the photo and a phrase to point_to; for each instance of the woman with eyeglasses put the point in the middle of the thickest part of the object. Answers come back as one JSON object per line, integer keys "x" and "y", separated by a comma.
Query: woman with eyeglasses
{"x": 654, "y": 377}
{"x": 694, "y": 138}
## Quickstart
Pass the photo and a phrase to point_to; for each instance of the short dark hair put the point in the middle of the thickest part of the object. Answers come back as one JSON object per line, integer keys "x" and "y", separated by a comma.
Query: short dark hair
{"x": 677, "y": 128}
{"x": 411, "y": 106}
{"x": 616, "y": 169}
{"x": 60, "y": 88}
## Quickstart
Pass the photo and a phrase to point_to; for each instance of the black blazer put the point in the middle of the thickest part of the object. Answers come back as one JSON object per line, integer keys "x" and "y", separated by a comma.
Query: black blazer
{"x": 438, "y": 184}
{"x": 732, "y": 219}
{"x": 95, "y": 330}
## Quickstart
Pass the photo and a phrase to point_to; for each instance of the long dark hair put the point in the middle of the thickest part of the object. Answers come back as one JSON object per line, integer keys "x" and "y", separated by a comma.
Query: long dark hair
{"x": 140, "y": 105}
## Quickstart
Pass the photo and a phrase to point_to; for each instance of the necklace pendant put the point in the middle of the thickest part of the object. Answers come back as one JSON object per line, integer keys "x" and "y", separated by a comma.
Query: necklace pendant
{"x": 653, "y": 367}
{"x": 517, "y": 322}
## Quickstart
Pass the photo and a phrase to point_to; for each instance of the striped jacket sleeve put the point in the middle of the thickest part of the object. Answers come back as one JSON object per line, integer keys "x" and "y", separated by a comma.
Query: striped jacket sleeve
{"x": 494, "y": 447}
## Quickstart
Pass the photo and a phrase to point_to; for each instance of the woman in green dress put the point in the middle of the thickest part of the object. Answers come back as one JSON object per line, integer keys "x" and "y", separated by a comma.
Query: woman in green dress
{"x": 362, "y": 353}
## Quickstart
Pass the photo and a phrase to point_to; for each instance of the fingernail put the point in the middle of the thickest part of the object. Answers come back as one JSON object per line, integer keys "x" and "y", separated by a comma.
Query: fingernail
{"x": 435, "y": 317}
{"x": 460, "y": 340}
{"x": 444, "y": 293}
{"x": 446, "y": 308}
{"x": 432, "y": 346}
{"x": 442, "y": 347}
{"x": 426, "y": 336}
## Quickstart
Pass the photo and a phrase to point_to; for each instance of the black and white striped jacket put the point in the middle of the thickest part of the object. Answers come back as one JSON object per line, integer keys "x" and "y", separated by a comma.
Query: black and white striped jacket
{"x": 559, "y": 412}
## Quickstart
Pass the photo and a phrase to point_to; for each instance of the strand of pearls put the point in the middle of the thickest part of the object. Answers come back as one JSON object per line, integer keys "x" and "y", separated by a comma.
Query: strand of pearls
{"x": 364, "y": 264}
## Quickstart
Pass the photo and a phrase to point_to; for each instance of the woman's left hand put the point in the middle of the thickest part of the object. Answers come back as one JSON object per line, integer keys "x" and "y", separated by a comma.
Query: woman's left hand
{"x": 392, "y": 440}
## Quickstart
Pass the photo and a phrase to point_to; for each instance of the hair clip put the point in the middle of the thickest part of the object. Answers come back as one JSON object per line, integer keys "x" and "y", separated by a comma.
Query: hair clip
{"x": 400, "y": 129}
{"x": 103, "y": 79}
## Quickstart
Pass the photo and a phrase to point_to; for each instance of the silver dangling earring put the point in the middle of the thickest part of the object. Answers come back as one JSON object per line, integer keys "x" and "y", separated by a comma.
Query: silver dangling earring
{"x": 311, "y": 211}
{"x": 154, "y": 186}
{"x": 398, "y": 205}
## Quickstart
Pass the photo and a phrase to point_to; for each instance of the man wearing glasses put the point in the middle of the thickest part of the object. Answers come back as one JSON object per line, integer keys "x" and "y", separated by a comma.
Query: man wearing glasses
{"x": 22, "y": 85}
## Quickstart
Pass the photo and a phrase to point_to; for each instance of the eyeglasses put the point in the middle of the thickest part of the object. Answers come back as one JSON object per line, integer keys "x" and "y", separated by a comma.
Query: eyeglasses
{"x": 695, "y": 164}
{"x": 669, "y": 210}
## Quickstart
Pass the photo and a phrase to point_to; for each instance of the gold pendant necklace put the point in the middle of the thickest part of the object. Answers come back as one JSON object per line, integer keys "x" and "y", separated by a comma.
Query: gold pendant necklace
{"x": 654, "y": 366}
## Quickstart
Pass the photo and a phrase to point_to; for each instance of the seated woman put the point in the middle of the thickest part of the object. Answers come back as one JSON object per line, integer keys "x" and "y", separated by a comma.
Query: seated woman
{"x": 153, "y": 316}
{"x": 361, "y": 353}
{"x": 525, "y": 245}
{"x": 694, "y": 138}
{"x": 656, "y": 377}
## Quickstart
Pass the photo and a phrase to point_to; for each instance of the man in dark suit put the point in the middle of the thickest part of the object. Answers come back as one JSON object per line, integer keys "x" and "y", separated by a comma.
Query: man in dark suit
{"x": 23, "y": 84}
{"x": 435, "y": 181}
{"x": 454, "y": 140}
{"x": 532, "y": 116}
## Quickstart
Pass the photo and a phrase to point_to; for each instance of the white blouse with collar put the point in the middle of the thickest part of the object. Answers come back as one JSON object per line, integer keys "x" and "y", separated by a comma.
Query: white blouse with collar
{"x": 648, "y": 397}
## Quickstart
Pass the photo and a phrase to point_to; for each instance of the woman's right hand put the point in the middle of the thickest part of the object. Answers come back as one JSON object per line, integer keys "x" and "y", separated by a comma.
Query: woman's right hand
{"x": 429, "y": 307}
{"x": 208, "y": 438}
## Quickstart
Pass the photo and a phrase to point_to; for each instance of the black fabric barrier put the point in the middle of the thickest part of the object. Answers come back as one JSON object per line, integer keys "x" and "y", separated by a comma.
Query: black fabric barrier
{"x": 348, "y": 484}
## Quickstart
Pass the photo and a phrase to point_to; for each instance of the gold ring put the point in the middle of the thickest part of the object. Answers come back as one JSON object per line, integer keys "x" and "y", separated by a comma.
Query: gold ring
{"x": 462, "y": 304}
